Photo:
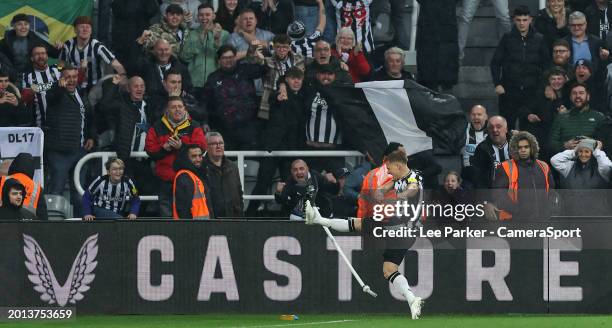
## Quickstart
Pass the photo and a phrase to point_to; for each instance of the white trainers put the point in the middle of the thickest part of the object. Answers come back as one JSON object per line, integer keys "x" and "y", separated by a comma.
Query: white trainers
{"x": 310, "y": 213}
{"x": 415, "y": 307}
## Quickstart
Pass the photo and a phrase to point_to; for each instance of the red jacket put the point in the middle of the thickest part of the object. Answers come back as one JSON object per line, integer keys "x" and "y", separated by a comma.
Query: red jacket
{"x": 359, "y": 68}
{"x": 190, "y": 132}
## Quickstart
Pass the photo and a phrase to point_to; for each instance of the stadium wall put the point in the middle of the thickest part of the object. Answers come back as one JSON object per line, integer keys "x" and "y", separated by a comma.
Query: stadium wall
{"x": 286, "y": 267}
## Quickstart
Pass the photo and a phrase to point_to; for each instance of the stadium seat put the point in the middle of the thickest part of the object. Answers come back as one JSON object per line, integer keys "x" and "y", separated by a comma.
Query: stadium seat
{"x": 58, "y": 207}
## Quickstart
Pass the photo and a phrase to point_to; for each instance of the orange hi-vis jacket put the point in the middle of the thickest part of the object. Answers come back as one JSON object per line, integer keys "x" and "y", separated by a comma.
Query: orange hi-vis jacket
{"x": 511, "y": 169}
{"x": 199, "y": 209}
{"x": 33, "y": 190}
{"x": 372, "y": 181}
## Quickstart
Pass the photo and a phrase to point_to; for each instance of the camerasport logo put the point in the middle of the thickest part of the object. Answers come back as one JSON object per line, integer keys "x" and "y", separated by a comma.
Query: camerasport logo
{"x": 41, "y": 274}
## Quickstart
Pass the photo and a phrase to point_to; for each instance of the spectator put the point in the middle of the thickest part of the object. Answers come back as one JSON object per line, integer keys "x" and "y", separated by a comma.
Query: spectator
{"x": 172, "y": 29}
{"x": 154, "y": 70}
{"x": 352, "y": 185}
{"x": 584, "y": 170}
{"x": 324, "y": 58}
{"x": 304, "y": 184}
{"x": 355, "y": 14}
{"x": 231, "y": 101}
{"x": 401, "y": 23}
{"x": 516, "y": 68}
{"x": 17, "y": 43}
{"x": 341, "y": 204}
{"x": 108, "y": 195}
{"x": 561, "y": 55}
{"x": 427, "y": 166}
{"x": 350, "y": 53}
{"x": 273, "y": 15}
{"x": 551, "y": 21}
{"x": 12, "y": 109}
{"x": 164, "y": 140}
{"x": 476, "y": 132}
{"x": 468, "y": 10}
{"x": 190, "y": 11}
{"x": 7, "y": 66}
{"x": 551, "y": 103}
{"x": 22, "y": 169}
{"x": 276, "y": 67}
{"x": 436, "y": 45}
{"x": 522, "y": 183}
{"x": 580, "y": 121}
{"x": 491, "y": 152}
{"x": 453, "y": 192}
{"x": 201, "y": 46}
{"x": 87, "y": 54}
{"x": 300, "y": 42}
{"x": 321, "y": 112}
{"x": 130, "y": 19}
{"x": 223, "y": 179}
{"x": 173, "y": 86}
{"x": 40, "y": 79}
{"x": 247, "y": 32}
{"x": 308, "y": 12}
{"x": 229, "y": 13}
{"x": 584, "y": 74}
{"x": 394, "y": 67}
{"x": 69, "y": 133}
{"x": 586, "y": 46}
{"x": 12, "y": 202}
{"x": 284, "y": 131}
{"x": 189, "y": 189}
{"x": 599, "y": 17}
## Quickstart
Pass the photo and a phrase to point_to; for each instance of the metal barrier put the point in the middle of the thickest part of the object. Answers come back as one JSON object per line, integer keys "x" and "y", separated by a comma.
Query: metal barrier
{"x": 240, "y": 155}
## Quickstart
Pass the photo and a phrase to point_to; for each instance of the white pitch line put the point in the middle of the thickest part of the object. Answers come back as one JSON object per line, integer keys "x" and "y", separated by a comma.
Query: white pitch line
{"x": 297, "y": 324}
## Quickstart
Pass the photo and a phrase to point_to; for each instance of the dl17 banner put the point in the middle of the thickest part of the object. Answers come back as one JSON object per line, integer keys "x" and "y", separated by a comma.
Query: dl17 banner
{"x": 52, "y": 20}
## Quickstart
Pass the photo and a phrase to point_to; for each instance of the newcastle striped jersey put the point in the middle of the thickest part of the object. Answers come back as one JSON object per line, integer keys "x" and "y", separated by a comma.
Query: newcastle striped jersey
{"x": 402, "y": 184}
{"x": 305, "y": 46}
{"x": 356, "y": 15}
{"x": 114, "y": 197}
{"x": 95, "y": 52}
{"x": 40, "y": 82}
{"x": 321, "y": 125}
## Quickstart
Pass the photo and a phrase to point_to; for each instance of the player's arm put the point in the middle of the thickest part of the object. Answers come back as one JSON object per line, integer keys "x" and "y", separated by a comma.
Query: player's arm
{"x": 411, "y": 190}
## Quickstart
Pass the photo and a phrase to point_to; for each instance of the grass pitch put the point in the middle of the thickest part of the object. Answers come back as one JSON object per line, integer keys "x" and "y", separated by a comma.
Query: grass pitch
{"x": 331, "y": 321}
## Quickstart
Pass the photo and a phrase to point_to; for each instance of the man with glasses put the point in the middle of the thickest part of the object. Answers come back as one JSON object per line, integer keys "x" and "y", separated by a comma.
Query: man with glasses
{"x": 223, "y": 179}
{"x": 586, "y": 46}
{"x": 323, "y": 58}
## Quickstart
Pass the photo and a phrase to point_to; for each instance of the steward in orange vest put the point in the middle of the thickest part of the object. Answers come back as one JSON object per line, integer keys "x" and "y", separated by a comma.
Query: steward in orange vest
{"x": 22, "y": 169}
{"x": 522, "y": 183}
{"x": 188, "y": 188}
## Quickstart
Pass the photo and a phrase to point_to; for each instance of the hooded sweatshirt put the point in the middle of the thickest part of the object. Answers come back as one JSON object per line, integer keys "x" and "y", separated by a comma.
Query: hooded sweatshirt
{"x": 22, "y": 168}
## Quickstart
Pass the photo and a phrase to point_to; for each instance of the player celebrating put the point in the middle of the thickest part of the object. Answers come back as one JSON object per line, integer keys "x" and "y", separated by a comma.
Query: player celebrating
{"x": 408, "y": 186}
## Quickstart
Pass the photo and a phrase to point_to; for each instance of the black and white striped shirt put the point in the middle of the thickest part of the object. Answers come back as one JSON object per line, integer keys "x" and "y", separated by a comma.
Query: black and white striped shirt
{"x": 114, "y": 197}
{"x": 306, "y": 45}
{"x": 95, "y": 52}
{"x": 40, "y": 82}
{"x": 356, "y": 15}
{"x": 321, "y": 125}
{"x": 141, "y": 128}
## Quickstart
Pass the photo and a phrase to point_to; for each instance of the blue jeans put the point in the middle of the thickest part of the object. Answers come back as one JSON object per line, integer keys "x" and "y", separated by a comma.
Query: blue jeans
{"x": 401, "y": 23}
{"x": 331, "y": 26}
{"x": 309, "y": 16}
{"x": 468, "y": 10}
{"x": 103, "y": 213}
{"x": 60, "y": 167}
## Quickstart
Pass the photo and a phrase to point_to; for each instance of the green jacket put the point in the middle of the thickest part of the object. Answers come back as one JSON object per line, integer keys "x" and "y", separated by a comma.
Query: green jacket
{"x": 200, "y": 53}
{"x": 573, "y": 124}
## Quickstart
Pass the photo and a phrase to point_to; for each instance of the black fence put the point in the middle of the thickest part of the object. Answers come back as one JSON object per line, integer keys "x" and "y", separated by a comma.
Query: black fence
{"x": 287, "y": 267}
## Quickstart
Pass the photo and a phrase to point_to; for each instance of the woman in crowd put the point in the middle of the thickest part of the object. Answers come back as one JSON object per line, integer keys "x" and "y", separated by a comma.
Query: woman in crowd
{"x": 551, "y": 21}
{"x": 351, "y": 53}
{"x": 227, "y": 14}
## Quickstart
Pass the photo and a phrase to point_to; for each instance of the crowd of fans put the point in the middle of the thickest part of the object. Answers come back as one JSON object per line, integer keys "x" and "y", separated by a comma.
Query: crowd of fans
{"x": 257, "y": 75}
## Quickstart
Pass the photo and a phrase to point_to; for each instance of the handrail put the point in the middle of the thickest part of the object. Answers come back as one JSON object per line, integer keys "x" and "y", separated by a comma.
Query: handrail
{"x": 240, "y": 155}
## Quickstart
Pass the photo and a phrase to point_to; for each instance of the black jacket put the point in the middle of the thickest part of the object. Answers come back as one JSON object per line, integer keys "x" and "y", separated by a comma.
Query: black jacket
{"x": 547, "y": 26}
{"x": 6, "y": 47}
{"x": 197, "y": 110}
{"x": 9, "y": 211}
{"x": 285, "y": 130}
{"x": 292, "y": 196}
{"x": 225, "y": 188}
{"x": 63, "y": 121}
{"x": 122, "y": 117}
{"x": 342, "y": 76}
{"x": 592, "y": 17}
{"x": 483, "y": 162}
{"x": 599, "y": 67}
{"x": 183, "y": 194}
{"x": 19, "y": 115}
{"x": 24, "y": 163}
{"x": 518, "y": 61}
{"x": 150, "y": 74}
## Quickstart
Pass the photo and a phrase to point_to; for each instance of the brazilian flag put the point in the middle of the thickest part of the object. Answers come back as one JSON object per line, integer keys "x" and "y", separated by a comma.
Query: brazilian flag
{"x": 52, "y": 20}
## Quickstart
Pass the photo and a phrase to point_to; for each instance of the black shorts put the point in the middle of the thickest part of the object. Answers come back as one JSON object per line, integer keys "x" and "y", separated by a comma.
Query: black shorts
{"x": 394, "y": 249}
{"x": 395, "y": 256}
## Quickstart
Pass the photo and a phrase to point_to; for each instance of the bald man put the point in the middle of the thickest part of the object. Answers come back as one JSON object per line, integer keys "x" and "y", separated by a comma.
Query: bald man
{"x": 156, "y": 68}
{"x": 475, "y": 133}
{"x": 491, "y": 152}
{"x": 291, "y": 193}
